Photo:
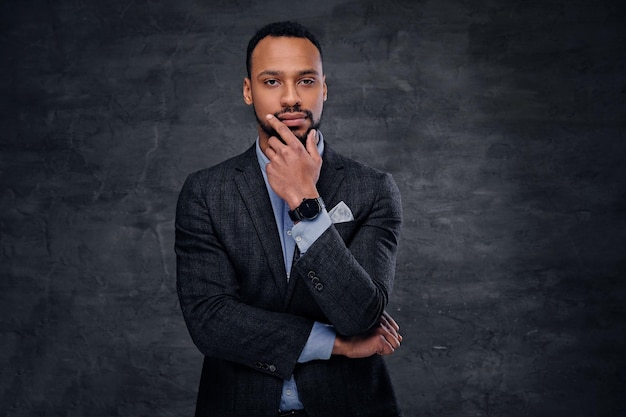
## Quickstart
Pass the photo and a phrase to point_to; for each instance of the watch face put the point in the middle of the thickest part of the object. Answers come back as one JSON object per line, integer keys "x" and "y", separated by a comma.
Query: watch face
{"x": 309, "y": 208}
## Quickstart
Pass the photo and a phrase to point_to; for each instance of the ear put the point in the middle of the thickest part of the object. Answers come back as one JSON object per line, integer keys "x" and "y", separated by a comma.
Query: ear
{"x": 247, "y": 91}
{"x": 325, "y": 89}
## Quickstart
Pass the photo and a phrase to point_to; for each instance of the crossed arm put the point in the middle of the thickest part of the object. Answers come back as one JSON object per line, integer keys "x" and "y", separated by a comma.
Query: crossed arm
{"x": 293, "y": 173}
{"x": 222, "y": 321}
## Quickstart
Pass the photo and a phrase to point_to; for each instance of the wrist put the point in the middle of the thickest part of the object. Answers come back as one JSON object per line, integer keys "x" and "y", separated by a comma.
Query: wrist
{"x": 340, "y": 346}
{"x": 295, "y": 200}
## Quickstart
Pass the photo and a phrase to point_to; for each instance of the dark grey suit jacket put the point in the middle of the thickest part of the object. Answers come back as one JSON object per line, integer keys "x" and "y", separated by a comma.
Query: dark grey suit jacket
{"x": 250, "y": 323}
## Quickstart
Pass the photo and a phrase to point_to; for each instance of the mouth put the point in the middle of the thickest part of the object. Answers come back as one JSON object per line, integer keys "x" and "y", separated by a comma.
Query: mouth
{"x": 293, "y": 120}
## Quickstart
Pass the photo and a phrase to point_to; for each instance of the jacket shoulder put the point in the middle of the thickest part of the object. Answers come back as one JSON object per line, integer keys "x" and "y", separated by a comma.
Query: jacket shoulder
{"x": 360, "y": 172}
{"x": 218, "y": 178}
{"x": 227, "y": 166}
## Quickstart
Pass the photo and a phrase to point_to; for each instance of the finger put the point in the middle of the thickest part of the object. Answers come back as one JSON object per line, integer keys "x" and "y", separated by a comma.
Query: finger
{"x": 385, "y": 347}
{"x": 391, "y": 324}
{"x": 394, "y": 340}
{"x": 391, "y": 321}
{"x": 390, "y": 336}
{"x": 273, "y": 146}
{"x": 390, "y": 327}
{"x": 283, "y": 131}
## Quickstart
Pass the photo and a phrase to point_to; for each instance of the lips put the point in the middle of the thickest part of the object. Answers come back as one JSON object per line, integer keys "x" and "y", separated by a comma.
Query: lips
{"x": 293, "y": 119}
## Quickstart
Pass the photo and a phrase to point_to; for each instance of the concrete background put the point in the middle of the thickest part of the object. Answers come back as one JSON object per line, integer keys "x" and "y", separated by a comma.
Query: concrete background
{"x": 503, "y": 123}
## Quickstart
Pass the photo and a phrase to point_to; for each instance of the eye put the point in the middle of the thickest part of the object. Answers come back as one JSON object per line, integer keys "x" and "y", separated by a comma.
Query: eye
{"x": 271, "y": 82}
{"x": 307, "y": 81}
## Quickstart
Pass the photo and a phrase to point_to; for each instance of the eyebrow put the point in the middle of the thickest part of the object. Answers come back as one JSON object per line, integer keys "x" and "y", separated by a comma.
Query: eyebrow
{"x": 277, "y": 73}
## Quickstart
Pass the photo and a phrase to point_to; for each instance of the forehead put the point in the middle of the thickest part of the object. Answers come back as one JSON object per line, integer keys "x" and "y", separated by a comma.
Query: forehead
{"x": 285, "y": 54}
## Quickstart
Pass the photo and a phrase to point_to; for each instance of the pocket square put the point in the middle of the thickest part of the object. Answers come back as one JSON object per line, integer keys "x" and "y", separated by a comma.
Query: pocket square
{"x": 341, "y": 213}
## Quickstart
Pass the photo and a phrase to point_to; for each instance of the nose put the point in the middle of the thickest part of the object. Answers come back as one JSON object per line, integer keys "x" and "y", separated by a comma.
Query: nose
{"x": 290, "y": 97}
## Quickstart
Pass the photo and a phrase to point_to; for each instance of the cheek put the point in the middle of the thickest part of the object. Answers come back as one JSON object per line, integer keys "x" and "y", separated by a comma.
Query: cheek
{"x": 319, "y": 105}
{"x": 262, "y": 97}
{"x": 262, "y": 107}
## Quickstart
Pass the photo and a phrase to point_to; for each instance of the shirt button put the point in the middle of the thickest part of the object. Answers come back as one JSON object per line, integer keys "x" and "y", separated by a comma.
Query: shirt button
{"x": 288, "y": 232}
{"x": 288, "y": 392}
{"x": 298, "y": 239}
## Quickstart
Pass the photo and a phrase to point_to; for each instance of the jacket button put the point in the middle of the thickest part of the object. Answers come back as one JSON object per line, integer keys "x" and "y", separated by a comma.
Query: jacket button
{"x": 315, "y": 280}
{"x": 311, "y": 274}
{"x": 319, "y": 286}
{"x": 272, "y": 368}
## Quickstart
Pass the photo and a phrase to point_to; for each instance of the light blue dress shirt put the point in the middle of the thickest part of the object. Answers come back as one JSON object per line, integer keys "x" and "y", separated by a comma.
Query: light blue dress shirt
{"x": 319, "y": 346}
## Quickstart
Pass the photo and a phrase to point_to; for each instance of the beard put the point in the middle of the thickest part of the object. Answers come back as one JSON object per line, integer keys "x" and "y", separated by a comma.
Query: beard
{"x": 270, "y": 131}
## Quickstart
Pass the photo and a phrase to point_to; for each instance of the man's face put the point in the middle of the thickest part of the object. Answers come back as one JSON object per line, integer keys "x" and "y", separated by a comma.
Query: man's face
{"x": 286, "y": 80}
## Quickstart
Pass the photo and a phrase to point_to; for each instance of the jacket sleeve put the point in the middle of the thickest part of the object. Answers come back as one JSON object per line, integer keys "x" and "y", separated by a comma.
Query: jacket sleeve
{"x": 220, "y": 323}
{"x": 350, "y": 269}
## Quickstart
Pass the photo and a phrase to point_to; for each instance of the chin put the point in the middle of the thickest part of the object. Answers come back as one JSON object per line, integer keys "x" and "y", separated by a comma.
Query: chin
{"x": 301, "y": 131}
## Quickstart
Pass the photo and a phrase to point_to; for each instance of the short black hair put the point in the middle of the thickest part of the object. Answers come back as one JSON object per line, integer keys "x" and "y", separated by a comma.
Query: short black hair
{"x": 286, "y": 29}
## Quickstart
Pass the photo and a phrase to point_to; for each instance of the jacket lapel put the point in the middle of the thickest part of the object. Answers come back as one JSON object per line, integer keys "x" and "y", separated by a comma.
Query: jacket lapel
{"x": 253, "y": 192}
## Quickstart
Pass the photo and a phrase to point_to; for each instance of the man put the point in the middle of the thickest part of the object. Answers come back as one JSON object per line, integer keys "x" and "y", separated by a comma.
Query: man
{"x": 286, "y": 256}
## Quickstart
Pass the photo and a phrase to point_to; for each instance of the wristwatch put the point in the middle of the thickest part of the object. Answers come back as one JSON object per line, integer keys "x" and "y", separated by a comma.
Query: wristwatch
{"x": 309, "y": 209}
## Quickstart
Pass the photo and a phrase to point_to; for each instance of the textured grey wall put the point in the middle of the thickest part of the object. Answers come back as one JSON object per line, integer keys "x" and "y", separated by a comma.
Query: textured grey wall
{"x": 503, "y": 123}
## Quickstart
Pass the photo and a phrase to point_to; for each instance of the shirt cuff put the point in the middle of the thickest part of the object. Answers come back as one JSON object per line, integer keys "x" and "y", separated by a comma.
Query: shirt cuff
{"x": 306, "y": 232}
{"x": 319, "y": 346}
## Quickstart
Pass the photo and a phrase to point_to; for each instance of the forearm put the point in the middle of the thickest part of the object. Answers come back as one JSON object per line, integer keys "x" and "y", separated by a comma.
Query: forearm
{"x": 350, "y": 268}
{"x": 353, "y": 292}
{"x": 222, "y": 326}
